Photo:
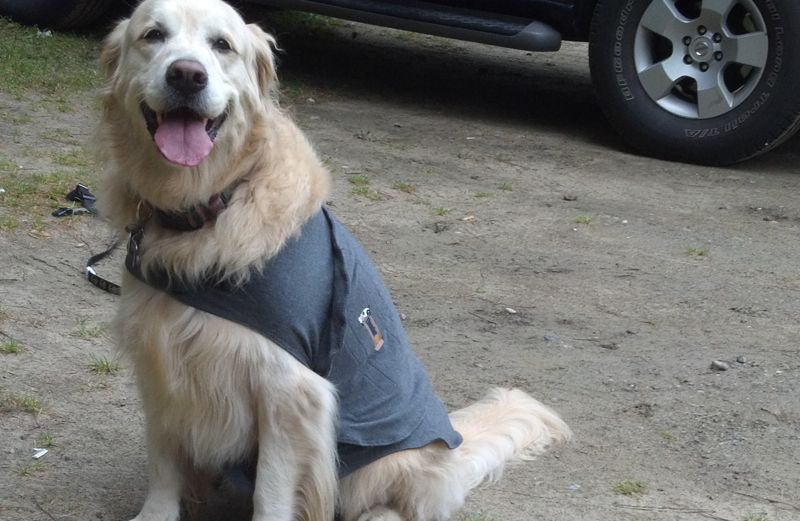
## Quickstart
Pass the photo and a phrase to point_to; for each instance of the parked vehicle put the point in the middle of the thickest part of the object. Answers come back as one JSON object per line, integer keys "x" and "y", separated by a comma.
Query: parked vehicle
{"x": 703, "y": 81}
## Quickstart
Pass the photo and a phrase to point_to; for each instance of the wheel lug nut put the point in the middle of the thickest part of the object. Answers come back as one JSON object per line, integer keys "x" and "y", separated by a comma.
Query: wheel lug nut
{"x": 717, "y": 37}
{"x": 687, "y": 40}
{"x": 718, "y": 56}
{"x": 702, "y": 30}
{"x": 687, "y": 60}
{"x": 704, "y": 67}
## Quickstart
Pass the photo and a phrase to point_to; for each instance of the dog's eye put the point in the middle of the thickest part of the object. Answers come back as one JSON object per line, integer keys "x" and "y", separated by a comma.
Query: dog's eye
{"x": 222, "y": 45}
{"x": 154, "y": 35}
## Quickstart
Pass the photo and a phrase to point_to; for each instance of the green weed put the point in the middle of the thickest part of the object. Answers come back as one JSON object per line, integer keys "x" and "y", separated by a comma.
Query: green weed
{"x": 46, "y": 441}
{"x": 86, "y": 331}
{"x": 359, "y": 180}
{"x": 31, "y": 469}
{"x": 697, "y": 252}
{"x": 630, "y": 487}
{"x": 102, "y": 365}
{"x": 11, "y": 402}
{"x": 11, "y": 347}
{"x": 405, "y": 187}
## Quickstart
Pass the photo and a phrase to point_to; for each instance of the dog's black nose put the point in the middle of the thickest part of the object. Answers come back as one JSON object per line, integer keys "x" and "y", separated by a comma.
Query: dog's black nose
{"x": 187, "y": 76}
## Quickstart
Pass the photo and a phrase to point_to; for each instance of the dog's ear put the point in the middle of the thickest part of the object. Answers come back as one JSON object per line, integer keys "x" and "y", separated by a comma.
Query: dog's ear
{"x": 112, "y": 47}
{"x": 264, "y": 59}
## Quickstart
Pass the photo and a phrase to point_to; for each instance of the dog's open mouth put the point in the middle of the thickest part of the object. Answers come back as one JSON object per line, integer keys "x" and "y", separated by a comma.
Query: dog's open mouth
{"x": 183, "y": 136}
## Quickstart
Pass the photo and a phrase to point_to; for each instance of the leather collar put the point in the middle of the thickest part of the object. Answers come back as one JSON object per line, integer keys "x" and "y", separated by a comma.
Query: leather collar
{"x": 197, "y": 216}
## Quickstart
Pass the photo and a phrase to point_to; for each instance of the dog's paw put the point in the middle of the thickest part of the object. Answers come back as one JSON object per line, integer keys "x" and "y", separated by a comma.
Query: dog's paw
{"x": 380, "y": 514}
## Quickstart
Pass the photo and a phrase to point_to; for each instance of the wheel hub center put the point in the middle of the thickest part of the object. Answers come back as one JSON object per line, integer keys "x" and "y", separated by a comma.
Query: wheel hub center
{"x": 702, "y": 49}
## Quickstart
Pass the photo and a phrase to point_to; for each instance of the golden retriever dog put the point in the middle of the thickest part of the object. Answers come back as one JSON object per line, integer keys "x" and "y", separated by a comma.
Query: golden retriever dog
{"x": 213, "y": 182}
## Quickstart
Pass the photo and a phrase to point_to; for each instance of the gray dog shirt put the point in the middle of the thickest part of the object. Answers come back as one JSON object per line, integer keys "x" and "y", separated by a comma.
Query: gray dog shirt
{"x": 322, "y": 300}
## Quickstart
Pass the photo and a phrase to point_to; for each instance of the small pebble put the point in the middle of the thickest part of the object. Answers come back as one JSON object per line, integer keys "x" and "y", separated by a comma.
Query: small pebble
{"x": 719, "y": 365}
{"x": 570, "y": 197}
{"x": 551, "y": 338}
{"x": 511, "y": 311}
{"x": 741, "y": 359}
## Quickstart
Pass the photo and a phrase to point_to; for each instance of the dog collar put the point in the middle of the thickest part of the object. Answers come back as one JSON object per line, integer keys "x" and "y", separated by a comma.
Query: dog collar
{"x": 187, "y": 220}
{"x": 198, "y": 215}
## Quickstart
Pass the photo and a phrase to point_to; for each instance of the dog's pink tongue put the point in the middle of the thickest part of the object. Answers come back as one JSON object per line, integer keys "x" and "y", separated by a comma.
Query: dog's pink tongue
{"x": 182, "y": 139}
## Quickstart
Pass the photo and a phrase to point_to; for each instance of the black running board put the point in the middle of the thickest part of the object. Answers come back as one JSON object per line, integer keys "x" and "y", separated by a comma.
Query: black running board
{"x": 439, "y": 20}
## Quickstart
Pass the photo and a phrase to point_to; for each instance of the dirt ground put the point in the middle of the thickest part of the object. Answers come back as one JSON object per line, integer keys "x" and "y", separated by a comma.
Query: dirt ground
{"x": 524, "y": 244}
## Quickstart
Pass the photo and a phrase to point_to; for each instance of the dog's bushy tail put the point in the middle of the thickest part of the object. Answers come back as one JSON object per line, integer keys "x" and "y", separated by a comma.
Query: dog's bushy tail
{"x": 430, "y": 484}
{"x": 506, "y": 425}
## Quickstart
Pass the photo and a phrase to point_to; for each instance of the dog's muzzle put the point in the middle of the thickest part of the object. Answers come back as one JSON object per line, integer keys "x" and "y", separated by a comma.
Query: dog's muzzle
{"x": 182, "y": 135}
{"x": 184, "y": 132}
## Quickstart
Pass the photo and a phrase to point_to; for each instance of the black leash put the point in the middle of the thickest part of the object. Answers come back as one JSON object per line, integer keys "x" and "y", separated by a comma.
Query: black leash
{"x": 96, "y": 279}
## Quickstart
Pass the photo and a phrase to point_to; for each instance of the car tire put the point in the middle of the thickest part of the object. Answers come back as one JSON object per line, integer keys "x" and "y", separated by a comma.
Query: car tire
{"x": 56, "y": 14}
{"x": 702, "y": 81}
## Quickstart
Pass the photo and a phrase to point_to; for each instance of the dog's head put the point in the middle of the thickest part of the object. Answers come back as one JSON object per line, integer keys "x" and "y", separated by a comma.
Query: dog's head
{"x": 185, "y": 74}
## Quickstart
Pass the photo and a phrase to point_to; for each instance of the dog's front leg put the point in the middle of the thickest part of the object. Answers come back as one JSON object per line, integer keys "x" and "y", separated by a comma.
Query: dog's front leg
{"x": 165, "y": 485}
{"x": 296, "y": 474}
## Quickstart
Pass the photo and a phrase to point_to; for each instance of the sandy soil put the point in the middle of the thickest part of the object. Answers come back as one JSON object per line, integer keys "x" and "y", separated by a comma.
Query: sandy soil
{"x": 481, "y": 162}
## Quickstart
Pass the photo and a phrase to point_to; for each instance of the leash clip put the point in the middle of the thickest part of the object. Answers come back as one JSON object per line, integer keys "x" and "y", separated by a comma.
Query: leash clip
{"x": 135, "y": 234}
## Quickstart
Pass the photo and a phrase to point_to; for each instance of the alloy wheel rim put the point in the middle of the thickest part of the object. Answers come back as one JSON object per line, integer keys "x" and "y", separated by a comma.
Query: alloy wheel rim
{"x": 700, "y": 59}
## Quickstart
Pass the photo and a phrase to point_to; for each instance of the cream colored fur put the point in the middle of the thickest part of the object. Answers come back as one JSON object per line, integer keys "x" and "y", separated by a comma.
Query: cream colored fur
{"x": 215, "y": 392}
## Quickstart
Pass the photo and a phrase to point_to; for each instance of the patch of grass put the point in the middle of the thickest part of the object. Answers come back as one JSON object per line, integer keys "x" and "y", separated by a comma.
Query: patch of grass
{"x": 7, "y": 166}
{"x": 37, "y": 224}
{"x": 441, "y": 211}
{"x": 3, "y": 315}
{"x": 697, "y": 252}
{"x": 31, "y": 469}
{"x": 584, "y": 219}
{"x": 37, "y": 192}
{"x": 85, "y": 330}
{"x": 46, "y": 441}
{"x": 630, "y": 487}
{"x": 669, "y": 437}
{"x": 481, "y": 195}
{"x": 8, "y": 223}
{"x": 11, "y": 402}
{"x": 755, "y": 517}
{"x": 30, "y": 404}
{"x": 77, "y": 158}
{"x": 12, "y": 347}
{"x": 21, "y": 119}
{"x": 54, "y": 64}
{"x": 102, "y": 365}
{"x": 405, "y": 187}
{"x": 59, "y": 135}
{"x": 505, "y": 186}
{"x": 358, "y": 180}
{"x": 364, "y": 191}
